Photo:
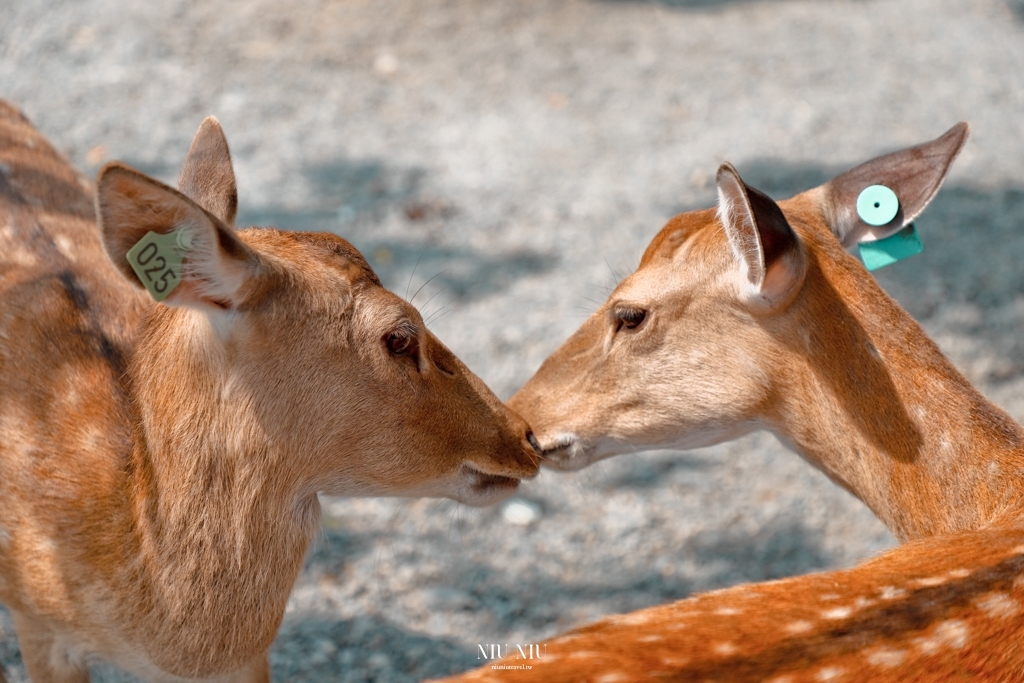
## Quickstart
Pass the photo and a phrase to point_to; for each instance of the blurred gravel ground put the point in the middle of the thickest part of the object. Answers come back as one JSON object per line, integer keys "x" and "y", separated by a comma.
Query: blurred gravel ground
{"x": 524, "y": 154}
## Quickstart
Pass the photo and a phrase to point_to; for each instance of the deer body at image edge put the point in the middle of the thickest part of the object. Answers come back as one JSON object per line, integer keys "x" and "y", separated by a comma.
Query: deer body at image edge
{"x": 753, "y": 315}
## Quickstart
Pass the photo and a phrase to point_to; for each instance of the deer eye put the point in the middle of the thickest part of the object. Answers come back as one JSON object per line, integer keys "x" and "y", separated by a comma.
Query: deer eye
{"x": 630, "y": 318}
{"x": 403, "y": 343}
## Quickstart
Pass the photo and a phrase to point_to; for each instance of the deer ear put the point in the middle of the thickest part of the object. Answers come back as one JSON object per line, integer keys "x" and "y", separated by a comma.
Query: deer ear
{"x": 218, "y": 267}
{"x": 207, "y": 177}
{"x": 760, "y": 236}
{"x": 914, "y": 174}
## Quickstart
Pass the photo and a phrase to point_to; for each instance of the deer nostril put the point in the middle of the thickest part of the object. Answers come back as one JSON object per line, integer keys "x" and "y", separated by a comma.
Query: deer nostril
{"x": 533, "y": 442}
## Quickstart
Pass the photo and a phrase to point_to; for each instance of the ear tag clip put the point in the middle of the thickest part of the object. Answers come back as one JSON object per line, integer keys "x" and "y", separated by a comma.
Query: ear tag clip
{"x": 877, "y": 205}
{"x": 893, "y": 248}
{"x": 156, "y": 259}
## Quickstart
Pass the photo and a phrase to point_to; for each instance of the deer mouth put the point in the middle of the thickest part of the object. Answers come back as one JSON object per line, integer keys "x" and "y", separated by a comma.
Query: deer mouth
{"x": 486, "y": 482}
{"x": 484, "y": 488}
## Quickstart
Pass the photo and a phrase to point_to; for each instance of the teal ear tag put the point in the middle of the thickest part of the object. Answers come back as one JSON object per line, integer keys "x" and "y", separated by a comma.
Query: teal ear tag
{"x": 156, "y": 259}
{"x": 893, "y": 248}
{"x": 877, "y": 205}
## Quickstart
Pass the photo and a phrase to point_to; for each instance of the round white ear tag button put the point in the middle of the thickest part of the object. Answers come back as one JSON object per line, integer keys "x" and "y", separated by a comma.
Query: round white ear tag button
{"x": 877, "y": 205}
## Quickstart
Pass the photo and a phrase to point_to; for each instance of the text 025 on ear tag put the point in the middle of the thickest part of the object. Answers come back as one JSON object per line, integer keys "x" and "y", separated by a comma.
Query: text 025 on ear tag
{"x": 156, "y": 259}
{"x": 893, "y": 248}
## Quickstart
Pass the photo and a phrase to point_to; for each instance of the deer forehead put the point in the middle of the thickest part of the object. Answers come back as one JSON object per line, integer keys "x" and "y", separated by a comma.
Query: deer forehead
{"x": 681, "y": 279}
{"x": 320, "y": 261}
{"x": 702, "y": 226}
{"x": 691, "y": 255}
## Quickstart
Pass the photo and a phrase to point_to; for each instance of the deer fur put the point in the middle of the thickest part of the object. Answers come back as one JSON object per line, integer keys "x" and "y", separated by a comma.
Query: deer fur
{"x": 160, "y": 463}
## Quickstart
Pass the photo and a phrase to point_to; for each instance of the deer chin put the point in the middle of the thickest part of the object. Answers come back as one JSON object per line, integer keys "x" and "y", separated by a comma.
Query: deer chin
{"x": 477, "y": 488}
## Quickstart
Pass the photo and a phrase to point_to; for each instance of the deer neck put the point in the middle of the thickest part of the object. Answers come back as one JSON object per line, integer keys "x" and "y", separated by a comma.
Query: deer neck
{"x": 875, "y": 404}
{"x": 222, "y": 520}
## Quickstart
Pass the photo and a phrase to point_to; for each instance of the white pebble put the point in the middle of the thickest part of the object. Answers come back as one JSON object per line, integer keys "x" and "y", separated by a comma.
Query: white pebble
{"x": 520, "y": 512}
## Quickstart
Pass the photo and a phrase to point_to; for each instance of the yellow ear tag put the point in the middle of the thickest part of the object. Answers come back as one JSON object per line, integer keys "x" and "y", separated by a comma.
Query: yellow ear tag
{"x": 157, "y": 258}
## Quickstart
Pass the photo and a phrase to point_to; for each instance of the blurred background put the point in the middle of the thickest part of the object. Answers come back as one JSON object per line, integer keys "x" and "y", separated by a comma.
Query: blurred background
{"x": 507, "y": 162}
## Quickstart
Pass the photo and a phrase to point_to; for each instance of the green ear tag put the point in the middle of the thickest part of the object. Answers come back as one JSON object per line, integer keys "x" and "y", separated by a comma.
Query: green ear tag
{"x": 877, "y": 205}
{"x": 893, "y": 248}
{"x": 156, "y": 259}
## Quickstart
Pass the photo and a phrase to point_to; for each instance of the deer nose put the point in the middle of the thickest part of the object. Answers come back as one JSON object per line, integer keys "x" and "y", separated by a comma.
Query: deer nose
{"x": 533, "y": 442}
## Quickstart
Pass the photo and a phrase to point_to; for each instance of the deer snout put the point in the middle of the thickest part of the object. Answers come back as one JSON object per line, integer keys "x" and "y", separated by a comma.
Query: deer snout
{"x": 493, "y": 478}
{"x": 514, "y": 459}
{"x": 527, "y": 455}
{"x": 522, "y": 461}
{"x": 532, "y": 440}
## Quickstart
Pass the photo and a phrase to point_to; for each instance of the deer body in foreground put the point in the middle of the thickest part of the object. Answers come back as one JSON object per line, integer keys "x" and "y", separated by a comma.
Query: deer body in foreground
{"x": 160, "y": 463}
{"x": 754, "y": 316}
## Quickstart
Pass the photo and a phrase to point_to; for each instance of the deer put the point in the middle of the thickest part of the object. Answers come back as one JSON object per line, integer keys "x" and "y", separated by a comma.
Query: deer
{"x": 161, "y": 461}
{"x": 753, "y": 315}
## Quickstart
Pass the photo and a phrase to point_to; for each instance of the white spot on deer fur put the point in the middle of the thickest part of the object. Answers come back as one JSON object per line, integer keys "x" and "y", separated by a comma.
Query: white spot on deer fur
{"x": 891, "y": 592}
{"x": 993, "y": 468}
{"x": 91, "y": 439}
{"x": 927, "y": 645}
{"x": 65, "y": 247}
{"x": 71, "y": 397}
{"x": 675, "y": 661}
{"x": 650, "y": 639}
{"x": 951, "y": 633}
{"x": 829, "y": 596}
{"x": 614, "y": 677}
{"x": 1017, "y": 550}
{"x": 837, "y": 613}
{"x": 959, "y": 573}
{"x": 830, "y": 673}
{"x": 886, "y": 657}
{"x": 726, "y": 648}
{"x": 583, "y": 654}
{"x": 998, "y": 605}
{"x": 799, "y": 626}
{"x": 18, "y": 441}
{"x": 929, "y": 581}
{"x": 727, "y": 611}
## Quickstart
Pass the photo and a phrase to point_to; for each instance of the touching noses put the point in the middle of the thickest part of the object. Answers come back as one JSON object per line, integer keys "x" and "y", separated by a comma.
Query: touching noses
{"x": 534, "y": 443}
{"x": 528, "y": 454}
